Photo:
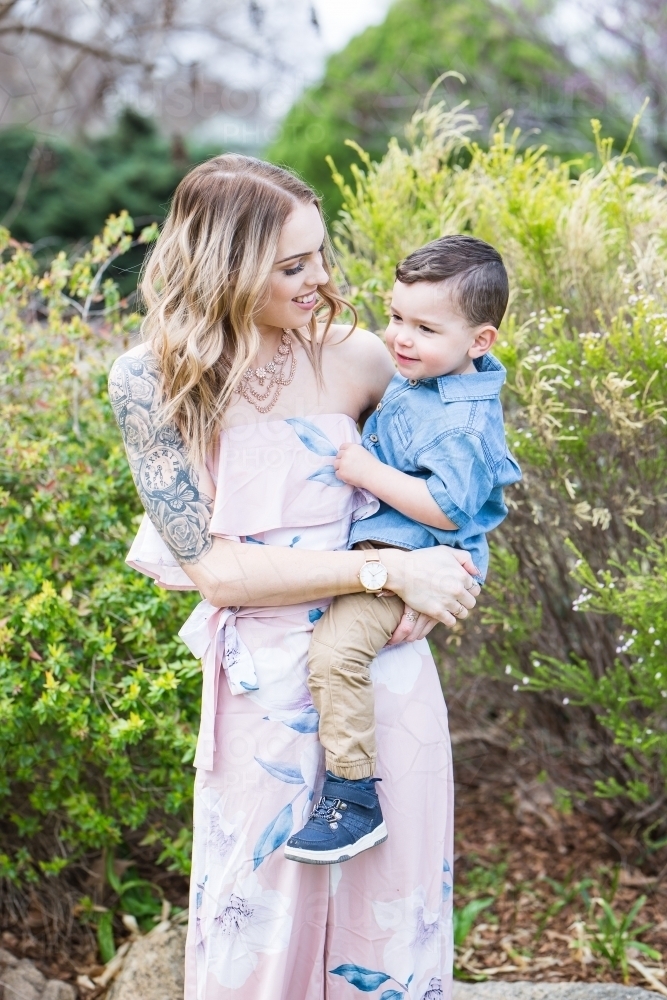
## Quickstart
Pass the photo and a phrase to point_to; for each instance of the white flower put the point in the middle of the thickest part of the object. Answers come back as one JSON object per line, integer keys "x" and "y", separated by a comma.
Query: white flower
{"x": 398, "y": 667}
{"x": 77, "y": 535}
{"x": 250, "y": 921}
{"x": 281, "y": 677}
{"x": 222, "y": 835}
{"x": 217, "y": 851}
{"x": 419, "y": 938}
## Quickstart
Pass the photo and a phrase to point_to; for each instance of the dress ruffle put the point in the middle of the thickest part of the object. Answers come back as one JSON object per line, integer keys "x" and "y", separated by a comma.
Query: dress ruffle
{"x": 280, "y": 474}
{"x": 149, "y": 555}
{"x": 272, "y": 478}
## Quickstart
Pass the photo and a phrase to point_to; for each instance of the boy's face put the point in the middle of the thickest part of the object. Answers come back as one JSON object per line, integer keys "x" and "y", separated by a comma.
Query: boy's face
{"x": 428, "y": 337}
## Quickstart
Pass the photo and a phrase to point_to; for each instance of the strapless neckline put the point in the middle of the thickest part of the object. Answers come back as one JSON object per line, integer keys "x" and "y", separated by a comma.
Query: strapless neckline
{"x": 282, "y": 420}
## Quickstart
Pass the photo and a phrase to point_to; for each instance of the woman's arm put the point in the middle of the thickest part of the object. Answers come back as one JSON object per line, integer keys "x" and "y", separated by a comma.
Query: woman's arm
{"x": 177, "y": 499}
{"x": 436, "y": 581}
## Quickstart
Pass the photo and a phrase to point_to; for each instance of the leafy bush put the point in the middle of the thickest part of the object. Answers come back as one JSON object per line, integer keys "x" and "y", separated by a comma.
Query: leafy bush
{"x": 98, "y": 701}
{"x": 585, "y": 345}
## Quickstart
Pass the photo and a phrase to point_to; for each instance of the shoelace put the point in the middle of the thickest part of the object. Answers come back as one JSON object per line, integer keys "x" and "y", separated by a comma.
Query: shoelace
{"x": 327, "y": 810}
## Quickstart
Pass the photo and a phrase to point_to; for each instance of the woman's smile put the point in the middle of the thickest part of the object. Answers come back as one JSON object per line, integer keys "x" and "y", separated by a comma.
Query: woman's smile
{"x": 307, "y": 301}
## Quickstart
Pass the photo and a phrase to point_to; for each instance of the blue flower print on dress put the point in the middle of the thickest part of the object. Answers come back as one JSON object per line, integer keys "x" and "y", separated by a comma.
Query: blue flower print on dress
{"x": 312, "y": 437}
{"x": 326, "y": 475}
{"x": 274, "y": 835}
{"x": 307, "y": 721}
{"x": 367, "y": 980}
{"x": 446, "y": 880}
{"x": 284, "y": 772}
{"x": 316, "y": 441}
{"x": 364, "y": 979}
{"x": 308, "y": 775}
{"x": 200, "y": 892}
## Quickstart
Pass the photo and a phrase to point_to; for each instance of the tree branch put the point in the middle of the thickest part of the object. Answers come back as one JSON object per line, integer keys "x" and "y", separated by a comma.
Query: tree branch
{"x": 108, "y": 55}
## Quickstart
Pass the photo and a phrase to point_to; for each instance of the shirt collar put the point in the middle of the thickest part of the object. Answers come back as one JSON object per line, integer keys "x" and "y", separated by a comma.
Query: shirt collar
{"x": 484, "y": 384}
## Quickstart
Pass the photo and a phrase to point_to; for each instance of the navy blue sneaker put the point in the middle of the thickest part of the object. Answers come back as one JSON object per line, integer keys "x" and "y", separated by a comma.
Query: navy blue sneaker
{"x": 346, "y": 821}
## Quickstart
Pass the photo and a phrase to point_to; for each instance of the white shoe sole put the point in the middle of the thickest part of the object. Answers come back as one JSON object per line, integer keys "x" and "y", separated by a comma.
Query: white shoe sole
{"x": 372, "y": 839}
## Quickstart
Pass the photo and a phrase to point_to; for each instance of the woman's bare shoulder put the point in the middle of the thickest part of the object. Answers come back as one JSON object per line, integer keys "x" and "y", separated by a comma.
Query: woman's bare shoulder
{"x": 361, "y": 343}
{"x": 364, "y": 354}
{"x": 140, "y": 352}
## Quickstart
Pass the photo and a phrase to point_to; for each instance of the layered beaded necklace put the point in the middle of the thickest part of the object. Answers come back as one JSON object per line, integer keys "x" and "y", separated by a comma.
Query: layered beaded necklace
{"x": 273, "y": 374}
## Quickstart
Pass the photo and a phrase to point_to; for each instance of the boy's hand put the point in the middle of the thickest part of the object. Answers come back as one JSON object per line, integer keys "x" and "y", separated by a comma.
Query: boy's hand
{"x": 354, "y": 465}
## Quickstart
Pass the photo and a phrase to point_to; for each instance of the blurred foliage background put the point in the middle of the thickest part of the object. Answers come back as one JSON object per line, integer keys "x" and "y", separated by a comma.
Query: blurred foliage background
{"x": 370, "y": 90}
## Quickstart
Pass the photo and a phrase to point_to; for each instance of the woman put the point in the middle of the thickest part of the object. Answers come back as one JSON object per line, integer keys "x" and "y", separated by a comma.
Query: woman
{"x": 231, "y": 413}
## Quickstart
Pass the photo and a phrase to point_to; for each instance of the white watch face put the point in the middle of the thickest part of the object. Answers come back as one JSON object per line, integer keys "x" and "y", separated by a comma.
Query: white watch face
{"x": 373, "y": 575}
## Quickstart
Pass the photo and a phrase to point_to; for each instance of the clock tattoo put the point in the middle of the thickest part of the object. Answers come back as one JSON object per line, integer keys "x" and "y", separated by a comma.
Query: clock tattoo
{"x": 160, "y": 469}
{"x": 166, "y": 481}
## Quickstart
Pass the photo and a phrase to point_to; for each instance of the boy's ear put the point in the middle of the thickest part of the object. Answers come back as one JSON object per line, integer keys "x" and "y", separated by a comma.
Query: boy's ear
{"x": 485, "y": 338}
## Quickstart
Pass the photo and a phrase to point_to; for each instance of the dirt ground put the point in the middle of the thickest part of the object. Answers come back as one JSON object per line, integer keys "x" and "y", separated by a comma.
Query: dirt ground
{"x": 561, "y": 870}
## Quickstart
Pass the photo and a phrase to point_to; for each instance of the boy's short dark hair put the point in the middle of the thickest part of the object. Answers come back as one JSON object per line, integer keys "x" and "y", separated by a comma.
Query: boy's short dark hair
{"x": 480, "y": 288}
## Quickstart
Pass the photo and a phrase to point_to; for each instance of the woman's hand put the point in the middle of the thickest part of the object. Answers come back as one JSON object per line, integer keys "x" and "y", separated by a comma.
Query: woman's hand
{"x": 437, "y": 583}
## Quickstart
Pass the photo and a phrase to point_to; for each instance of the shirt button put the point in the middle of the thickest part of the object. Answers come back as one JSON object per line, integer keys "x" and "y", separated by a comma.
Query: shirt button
{"x": 373, "y": 438}
{"x": 379, "y": 406}
{"x": 413, "y": 382}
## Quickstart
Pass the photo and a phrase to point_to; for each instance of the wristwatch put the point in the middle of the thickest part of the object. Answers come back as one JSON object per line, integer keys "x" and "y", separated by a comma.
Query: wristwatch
{"x": 373, "y": 574}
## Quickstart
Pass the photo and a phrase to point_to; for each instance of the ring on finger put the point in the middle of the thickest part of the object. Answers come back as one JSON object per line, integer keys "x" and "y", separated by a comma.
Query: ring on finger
{"x": 461, "y": 610}
{"x": 411, "y": 616}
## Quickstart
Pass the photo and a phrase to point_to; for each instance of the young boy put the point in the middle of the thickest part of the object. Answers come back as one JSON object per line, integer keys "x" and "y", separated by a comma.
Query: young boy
{"x": 435, "y": 455}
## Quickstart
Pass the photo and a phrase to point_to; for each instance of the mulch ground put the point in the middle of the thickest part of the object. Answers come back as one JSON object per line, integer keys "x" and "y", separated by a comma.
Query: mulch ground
{"x": 543, "y": 869}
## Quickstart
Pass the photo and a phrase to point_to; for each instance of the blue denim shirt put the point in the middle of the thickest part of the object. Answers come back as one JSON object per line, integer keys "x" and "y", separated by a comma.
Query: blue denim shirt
{"x": 448, "y": 431}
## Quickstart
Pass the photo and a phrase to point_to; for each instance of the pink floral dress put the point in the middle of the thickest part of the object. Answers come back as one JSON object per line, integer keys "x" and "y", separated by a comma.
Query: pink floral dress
{"x": 262, "y": 927}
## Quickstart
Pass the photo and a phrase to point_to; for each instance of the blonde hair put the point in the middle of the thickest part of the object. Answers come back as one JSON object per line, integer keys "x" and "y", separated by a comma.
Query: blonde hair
{"x": 206, "y": 278}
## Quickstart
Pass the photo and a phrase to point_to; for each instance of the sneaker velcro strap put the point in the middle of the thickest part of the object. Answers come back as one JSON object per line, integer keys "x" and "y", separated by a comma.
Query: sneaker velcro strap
{"x": 348, "y": 793}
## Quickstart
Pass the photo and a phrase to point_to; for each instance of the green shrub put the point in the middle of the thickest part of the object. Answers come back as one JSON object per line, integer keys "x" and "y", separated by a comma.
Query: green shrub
{"x": 77, "y": 184}
{"x": 585, "y": 345}
{"x": 371, "y": 88}
{"x": 98, "y": 699}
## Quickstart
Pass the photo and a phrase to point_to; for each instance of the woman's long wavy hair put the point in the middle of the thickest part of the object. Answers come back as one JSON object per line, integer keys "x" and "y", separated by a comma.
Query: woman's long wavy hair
{"x": 206, "y": 279}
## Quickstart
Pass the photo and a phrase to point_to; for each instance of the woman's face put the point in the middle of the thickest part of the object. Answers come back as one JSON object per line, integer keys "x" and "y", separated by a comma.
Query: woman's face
{"x": 297, "y": 272}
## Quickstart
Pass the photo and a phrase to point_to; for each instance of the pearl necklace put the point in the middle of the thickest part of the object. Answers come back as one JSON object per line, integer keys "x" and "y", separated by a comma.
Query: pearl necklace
{"x": 273, "y": 372}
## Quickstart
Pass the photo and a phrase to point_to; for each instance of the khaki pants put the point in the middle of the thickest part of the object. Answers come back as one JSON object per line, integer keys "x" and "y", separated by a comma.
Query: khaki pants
{"x": 350, "y": 634}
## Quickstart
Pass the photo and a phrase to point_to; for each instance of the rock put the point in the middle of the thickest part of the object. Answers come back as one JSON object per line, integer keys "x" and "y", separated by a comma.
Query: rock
{"x": 153, "y": 968}
{"x": 56, "y": 989}
{"x": 23, "y": 981}
{"x": 549, "y": 991}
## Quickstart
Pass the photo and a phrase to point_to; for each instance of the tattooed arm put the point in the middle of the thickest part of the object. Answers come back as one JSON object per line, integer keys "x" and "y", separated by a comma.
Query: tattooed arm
{"x": 227, "y": 573}
{"x": 167, "y": 483}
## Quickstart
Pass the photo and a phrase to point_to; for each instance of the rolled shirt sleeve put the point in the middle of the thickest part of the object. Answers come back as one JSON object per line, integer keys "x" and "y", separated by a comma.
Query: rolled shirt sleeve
{"x": 461, "y": 479}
